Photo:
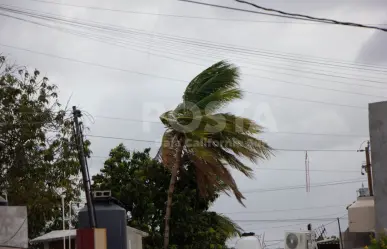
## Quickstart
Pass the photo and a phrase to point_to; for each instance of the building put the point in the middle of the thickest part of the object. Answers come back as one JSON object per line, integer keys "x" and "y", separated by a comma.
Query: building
{"x": 361, "y": 221}
{"x": 13, "y": 226}
{"x": 54, "y": 239}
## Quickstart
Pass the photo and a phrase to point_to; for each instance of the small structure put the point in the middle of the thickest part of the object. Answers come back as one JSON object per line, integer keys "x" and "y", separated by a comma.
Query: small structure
{"x": 135, "y": 237}
{"x": 378, "y": 132}
{"x": 361, "y": 221}
{"x": 110, "y": 215}
{"x": 361, "y": 214}
{"x": 54, "y": 239}
{"x": 328, "y": 244}
{"x": 14, "y": 226}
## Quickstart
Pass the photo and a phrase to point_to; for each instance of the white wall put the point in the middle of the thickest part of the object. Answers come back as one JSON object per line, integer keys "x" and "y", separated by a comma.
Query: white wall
{"x": 134, "y": 241}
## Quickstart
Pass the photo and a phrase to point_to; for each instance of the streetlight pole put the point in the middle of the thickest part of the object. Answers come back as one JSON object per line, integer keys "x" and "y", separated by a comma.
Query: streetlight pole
{"x": 69, "y": 221}
{"x": 63, "y": 221}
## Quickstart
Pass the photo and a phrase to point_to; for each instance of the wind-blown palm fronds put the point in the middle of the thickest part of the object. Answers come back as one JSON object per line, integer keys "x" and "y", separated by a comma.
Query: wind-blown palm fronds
{"x": 214, "y": 142}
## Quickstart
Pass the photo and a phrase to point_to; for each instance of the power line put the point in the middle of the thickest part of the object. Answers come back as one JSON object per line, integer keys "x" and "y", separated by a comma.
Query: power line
{"x": 303, "y": 186}
{"x": 171, "y": 15}
{"x": 316, "y": 170}
{"x": 315, "y": 19}
{"x": 263, "y": 133}
{"x": 244, "y": 10}
{"x": 287, "y": 220}
{"x": 132, "y": 47}
{"x": 282, "y": 81}
{"x": 333, "y": 221}
{"x": 291, "y": 225}
{"x": 89, "y": 63}
{"x": 228, "y": 47}
{"x": 164, "y": 77}
{"x": 307, "y": 100}
{"x": 275, "y": 149}
{"x": 159, "y": 123}
{"x": 282, "y": 210}
{"x": 281, "y": 169}
{"x": 283, "y": 14}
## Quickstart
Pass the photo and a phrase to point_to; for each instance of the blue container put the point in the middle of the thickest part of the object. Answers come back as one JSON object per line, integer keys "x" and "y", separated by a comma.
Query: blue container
{"x": 110, "y": 216}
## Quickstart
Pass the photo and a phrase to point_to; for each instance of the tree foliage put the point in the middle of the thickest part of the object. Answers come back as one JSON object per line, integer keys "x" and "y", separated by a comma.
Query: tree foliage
{"x": 38, "y": 160}
{"x": 140, "y": 183}
{"x": 214, "y": 142}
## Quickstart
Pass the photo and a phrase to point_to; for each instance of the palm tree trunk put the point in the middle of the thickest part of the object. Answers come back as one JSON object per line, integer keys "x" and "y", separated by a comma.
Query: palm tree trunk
{"x": 170, "y": 193}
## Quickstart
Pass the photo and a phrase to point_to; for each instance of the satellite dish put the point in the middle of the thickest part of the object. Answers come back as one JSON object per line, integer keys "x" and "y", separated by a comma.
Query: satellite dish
{"x": 292, "y": 241}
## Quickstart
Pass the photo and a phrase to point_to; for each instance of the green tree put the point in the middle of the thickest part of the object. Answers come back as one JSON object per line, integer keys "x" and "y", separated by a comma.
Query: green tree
{"x": 38, "y": 160}
{"x": 212, "y": 141}
{"x": 140, "y": 183}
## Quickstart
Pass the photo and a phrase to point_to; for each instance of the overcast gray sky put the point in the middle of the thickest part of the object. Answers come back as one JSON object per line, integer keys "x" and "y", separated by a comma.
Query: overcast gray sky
{"x": 106, "y": 91}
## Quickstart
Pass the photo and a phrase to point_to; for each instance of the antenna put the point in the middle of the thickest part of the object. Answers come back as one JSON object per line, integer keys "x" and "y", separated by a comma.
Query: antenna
{"x": 307, "y": 175}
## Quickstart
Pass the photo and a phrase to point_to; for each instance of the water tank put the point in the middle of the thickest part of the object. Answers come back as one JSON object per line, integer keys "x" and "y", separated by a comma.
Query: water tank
{"x": 110, "y": 216}
{"x": 3, "y": 202}
{"x": 248, "y": 241}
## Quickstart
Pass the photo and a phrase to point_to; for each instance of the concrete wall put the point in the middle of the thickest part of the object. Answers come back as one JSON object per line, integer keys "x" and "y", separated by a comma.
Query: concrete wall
{"x": 356, "y": 240}
{"x": 134, "y": 241}
{"x": 361, "y": 215}
{"x": 58, "y": 244}
{"x": 14, "y": 226}
{"x": 378, "y": 133}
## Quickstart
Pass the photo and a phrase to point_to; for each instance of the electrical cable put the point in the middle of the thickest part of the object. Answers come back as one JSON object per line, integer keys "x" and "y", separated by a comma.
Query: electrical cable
{"x": 170, "y": 15}
{"x": 159, "y": 123}
{"x": 287, "y": 220}
{"x": 251, "y": 75}
{"x": 282, "y": 169}
{"x": 316, "y": 19}
{"x": 275, "y": 149}
{"x": 164, "y": 77}
{"x": 312, "y": 217}
{"x": 248, "y": 51}
{"x": 283, "y": 210}
{"x": 307, "y": 100}
{"x": 287, "y": 82}
{"x": 290, "y": 15}
{"x": 302, "y": 186}
{"x": 263, "y": 133}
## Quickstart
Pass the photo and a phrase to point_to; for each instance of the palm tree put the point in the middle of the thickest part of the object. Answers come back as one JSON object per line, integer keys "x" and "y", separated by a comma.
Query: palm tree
{"x": 212, "y": 141}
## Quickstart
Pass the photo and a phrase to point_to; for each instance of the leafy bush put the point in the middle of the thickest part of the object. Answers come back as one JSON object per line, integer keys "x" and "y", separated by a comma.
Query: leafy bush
{"x": 381, "y": 243}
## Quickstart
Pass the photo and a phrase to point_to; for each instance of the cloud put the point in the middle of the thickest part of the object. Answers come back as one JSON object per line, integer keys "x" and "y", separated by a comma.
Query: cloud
{"x": 103, "y": 91}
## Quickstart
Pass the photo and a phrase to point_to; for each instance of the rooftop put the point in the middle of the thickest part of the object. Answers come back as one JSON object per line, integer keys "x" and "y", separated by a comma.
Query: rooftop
{"x": 55, "y": 235}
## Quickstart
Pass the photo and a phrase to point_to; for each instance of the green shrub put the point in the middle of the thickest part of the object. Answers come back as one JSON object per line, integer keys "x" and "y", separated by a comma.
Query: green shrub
{"x": 381, "y": 243}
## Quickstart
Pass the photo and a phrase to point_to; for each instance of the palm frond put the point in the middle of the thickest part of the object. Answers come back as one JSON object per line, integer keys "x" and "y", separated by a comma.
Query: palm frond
{"x": 228, "y": 225}
{"x": 214, "y": 142}
{"x": 231, "y": 160}
{"x": 220, "y": 79}
{"x": 213, "y": 173}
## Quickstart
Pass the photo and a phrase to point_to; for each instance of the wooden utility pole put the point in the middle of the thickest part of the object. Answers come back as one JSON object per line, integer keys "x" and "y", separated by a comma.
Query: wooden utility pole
{"x": 85, "y": 176}
{"x": 368, "y": 169}
{"x": 341, "y": 238}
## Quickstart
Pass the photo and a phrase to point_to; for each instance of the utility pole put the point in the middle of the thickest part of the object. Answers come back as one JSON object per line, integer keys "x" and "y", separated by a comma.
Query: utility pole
{"x": 341, "y": 238}
{"x": 368, "y": 168}
{"x": 85, "y": 176}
